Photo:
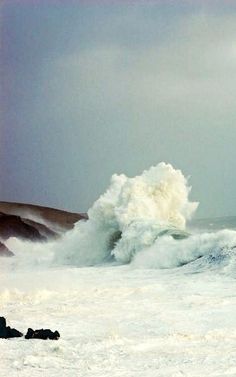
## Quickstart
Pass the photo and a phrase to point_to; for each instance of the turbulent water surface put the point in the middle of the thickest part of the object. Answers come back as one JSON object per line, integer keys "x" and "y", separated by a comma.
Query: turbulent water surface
{"x": 137, "y": 290}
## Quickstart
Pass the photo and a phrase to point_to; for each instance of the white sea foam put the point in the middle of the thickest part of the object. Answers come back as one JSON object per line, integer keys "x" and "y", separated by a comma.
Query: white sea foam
{"x": 130, "y": 216}
{"x": 143, "y": 318}
{"x": 167, "y": 252}
{"x": 141, "y": 220}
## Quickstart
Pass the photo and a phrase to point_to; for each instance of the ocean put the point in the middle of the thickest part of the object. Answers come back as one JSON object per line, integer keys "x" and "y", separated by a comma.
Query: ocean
{"x": 140, "y": 289}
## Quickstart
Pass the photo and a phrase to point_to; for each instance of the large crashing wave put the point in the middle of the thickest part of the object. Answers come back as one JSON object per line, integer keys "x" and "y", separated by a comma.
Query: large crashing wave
{"x": 141, "y": 221}
{"x": 130, "y": 217}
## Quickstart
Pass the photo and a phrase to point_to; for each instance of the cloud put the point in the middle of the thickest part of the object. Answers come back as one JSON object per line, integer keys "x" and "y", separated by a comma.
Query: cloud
{"x": 196, "y": 62}
{"x": 135, "y": 85}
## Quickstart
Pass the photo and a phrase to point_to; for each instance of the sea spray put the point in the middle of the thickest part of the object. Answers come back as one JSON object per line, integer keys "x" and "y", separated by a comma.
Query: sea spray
{"x": 129, "y": 216}
{"x": 140, "y": 220}
{"x": 213, "y": 248}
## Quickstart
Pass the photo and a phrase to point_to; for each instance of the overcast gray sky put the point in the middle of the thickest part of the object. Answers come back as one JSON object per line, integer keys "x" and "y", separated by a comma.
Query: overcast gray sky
{"x": 95, "y": 88}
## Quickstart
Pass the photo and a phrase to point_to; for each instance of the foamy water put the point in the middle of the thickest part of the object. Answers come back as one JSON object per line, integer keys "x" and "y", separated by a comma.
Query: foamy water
{"x": 135, "y": 291}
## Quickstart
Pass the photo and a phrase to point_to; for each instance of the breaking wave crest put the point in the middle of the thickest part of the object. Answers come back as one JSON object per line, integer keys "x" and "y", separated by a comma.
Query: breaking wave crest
{"x": 130, "y": 217}
{"x": 142, "y": 221}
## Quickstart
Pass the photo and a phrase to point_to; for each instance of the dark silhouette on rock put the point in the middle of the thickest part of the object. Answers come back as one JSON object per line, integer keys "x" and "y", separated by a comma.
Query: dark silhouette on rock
{"x": 7, "y": 332}
{"x": 4, "y": 251}
{"x": 42, "y": 334}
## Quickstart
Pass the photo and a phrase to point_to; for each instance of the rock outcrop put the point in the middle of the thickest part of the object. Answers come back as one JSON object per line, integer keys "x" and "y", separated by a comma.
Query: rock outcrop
{"x": 42, "y": 334}
{"x": 4, "y": 251}
{"x": 33, "y": 223}
{"x": 51, "y": 217}
{"x": 7, "y": 332}
{"x": 14, "y": 226}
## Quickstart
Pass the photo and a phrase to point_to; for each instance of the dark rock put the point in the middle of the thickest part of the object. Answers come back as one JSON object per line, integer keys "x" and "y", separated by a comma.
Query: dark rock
{"x": 29, "y": 334}
{"x": 42, "y": 334}
{"x": 51, "y": 217}
{"x": 3, "y": 330}
{"x": 13, "y": 333}
{"x": 34, "y": 223}
{"x": 13, "y": 226}
{"x": 4, "y": 251}
{"x": 2, "y": 322}
{"x": 44, "y": 230}
{"x": 6, "y": 331}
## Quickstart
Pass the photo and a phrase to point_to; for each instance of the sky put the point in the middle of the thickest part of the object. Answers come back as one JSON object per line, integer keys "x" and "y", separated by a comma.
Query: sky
{"x": 92, "y": 88}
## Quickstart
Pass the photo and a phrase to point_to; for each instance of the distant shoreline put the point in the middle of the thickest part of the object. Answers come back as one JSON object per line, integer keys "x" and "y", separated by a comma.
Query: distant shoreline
{"x": 34, "y": 223}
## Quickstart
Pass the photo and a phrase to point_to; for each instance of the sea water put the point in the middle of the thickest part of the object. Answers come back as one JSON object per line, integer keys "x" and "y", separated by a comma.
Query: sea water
{"x": 139, "y": 289}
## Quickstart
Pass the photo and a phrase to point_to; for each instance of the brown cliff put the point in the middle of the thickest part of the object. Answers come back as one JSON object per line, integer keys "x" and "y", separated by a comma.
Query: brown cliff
{"x": 33, "y": 222}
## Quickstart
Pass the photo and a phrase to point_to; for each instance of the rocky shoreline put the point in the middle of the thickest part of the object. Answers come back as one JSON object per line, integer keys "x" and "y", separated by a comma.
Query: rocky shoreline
{"x": 33, "y": 223}
{"x": 7, "y": 332}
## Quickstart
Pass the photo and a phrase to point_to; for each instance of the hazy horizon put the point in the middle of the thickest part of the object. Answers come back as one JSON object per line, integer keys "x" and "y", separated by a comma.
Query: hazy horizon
{"x": 90, "y": 89}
